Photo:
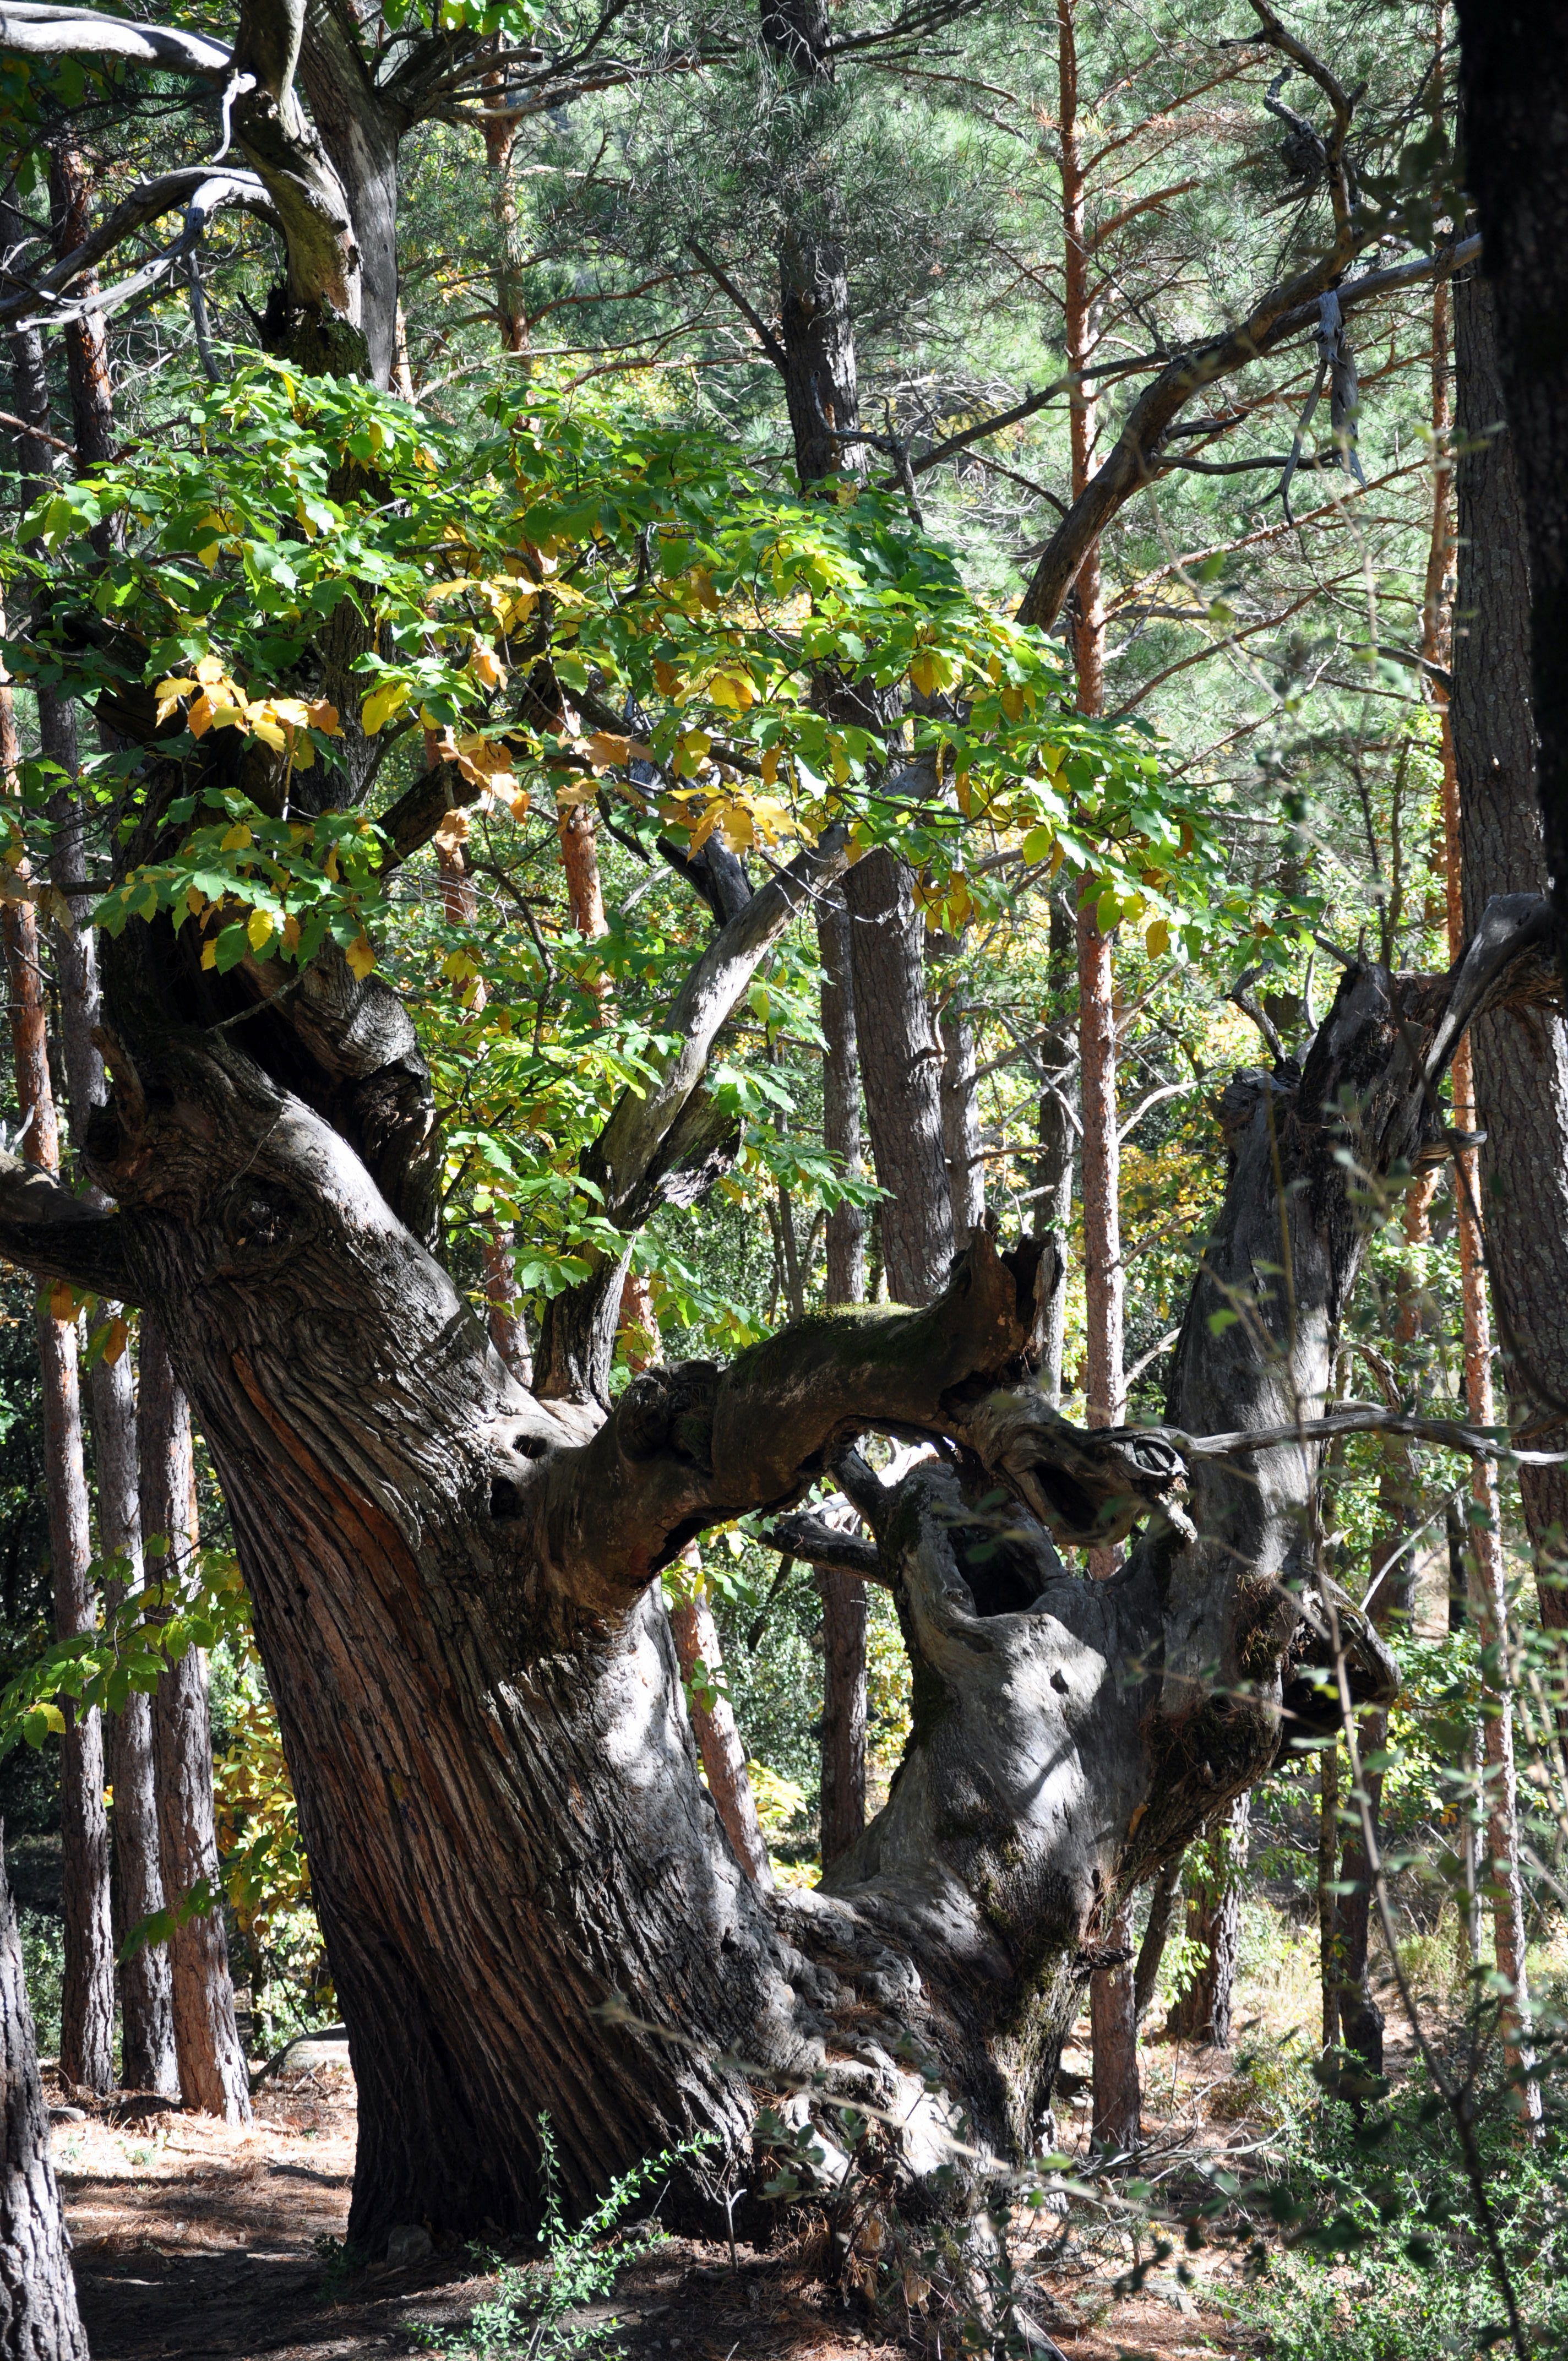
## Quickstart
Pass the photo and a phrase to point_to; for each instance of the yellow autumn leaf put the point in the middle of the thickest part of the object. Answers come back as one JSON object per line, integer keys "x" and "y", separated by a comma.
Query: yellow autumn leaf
{"x": 735, "y": 691}
{"x": 169, "y": 694}
{"x": 303, "y": 751}
{"x": 61, "y": 1300}
{"x": 114, "y": 1343}
{"x": 323, "y": 717}
{"x": 270, "y": 734}
{"x": 923, "y": 672}
{"x": 199, "y": 721}
{"x": 237, "y": 838}
{"x": 361, "y": 957}
{"x": 1157, "y": 940}
{"x": 487, "y": 667}
{"x": 195, "y": 900}
{"x": 380, "y": 706}
{"x": 605, "y": 750}
{"x": 260, "y": 928}
{"x": 291, "y": 933}
{"x": 210, "y": 672}
{"x": 771, "y": 766}
{"x": 667, "y": 677}
{"x": 209, "y": 954}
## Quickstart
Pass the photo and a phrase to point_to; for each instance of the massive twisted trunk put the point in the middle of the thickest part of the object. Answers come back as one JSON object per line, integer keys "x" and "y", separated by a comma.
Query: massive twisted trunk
{"x": 527, "y": 1895}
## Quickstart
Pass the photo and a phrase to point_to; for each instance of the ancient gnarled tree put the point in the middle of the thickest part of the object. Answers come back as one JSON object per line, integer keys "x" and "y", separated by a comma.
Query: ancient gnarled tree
{"x": 528, "y": 1900}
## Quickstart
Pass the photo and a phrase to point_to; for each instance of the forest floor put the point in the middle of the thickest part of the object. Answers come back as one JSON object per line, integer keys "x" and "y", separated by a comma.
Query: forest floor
{"x": 196, "y": 2243}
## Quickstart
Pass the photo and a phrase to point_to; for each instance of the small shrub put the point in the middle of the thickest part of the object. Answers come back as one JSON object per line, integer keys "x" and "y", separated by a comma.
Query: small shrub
{"x": 528, "y": 2316}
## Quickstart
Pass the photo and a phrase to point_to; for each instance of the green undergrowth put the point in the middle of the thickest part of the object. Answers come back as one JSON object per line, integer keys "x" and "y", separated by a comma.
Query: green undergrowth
{"x": 1382, "y": 2257}
{"x": 534, "y": 2312}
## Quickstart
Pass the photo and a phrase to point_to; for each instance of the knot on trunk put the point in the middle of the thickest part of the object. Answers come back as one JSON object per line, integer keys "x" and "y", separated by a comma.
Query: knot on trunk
{"x": 1091, "y": 1958}
{"x": 1088, "y": 1486}
{"x": 670, "y": 1410}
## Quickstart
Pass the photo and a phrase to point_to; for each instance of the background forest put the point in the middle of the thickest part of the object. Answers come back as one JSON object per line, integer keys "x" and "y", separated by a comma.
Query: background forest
{"x": 1000, "y": 226}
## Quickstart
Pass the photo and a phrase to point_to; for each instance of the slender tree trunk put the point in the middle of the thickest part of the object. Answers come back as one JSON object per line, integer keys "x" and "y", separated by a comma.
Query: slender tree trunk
{"x": 1118, "y": 2093}
{"x": 580, "y": 867}
{"x": 1203, "y": 2013}
{"x": 842, "y": 1135}
{"x": 509, "y": 1329}
{"x": 213, "y": 2075}
{"x": 1329, "y": 1946}
{"x": 1103, "y": 1278}
{"x": 843, "y": 1804}
{"x": 1391, "y": 1589}
{"x": 148, "y": 2059}
{"x": 87, "y": 2009}
{"x": 146, "y": 2036}
{"x": 1052, "y": 1182}
{"x": 500, "y": 141}
{"x": 1156, "y": 1934}
{"x": 38, "y": 2319}
{"x": 1490, "y": 838}
{"x": 843, "y": 1595}
{"x": 901, "y": 1066}
{"x": 718, "y": 1740}
{"x": 960, "y": 1128}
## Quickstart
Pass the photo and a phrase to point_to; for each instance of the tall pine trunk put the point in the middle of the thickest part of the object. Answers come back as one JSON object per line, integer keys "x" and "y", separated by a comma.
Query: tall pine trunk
{"x": 147, "y": 2036}
{"x": 87, "y": 2011}
{"x": 212, "y": 2074}
{"x": 1520, "y": 1058}
{"x": 1112, "y": 2012}
{"x": 38, "y": 2319}
{"x": 1203, "y": 2013}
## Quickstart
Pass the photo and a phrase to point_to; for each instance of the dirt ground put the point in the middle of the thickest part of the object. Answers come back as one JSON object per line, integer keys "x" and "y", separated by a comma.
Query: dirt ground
{"x": 194, "y": 2242}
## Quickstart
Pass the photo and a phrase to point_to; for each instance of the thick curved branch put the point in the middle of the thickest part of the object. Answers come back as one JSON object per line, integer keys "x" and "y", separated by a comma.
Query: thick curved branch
{"x": 686, "y": 1447}
{"x": 49, "y": 32}
{"x": 47, "y": 1231}
{"x": 202, "y": 192}
{"x": 1134, "y": 459}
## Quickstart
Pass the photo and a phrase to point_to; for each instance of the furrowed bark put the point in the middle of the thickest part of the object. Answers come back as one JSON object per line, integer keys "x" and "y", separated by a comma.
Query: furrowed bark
{"x": 846, "y": 1228}
{"x": 1521, "y": 1056}
{"x": 820, "y": 382}
{"x": 148, "y": 2060}
{"x": 900, "y": 1068}
{"x": 1052, "y": 1182}
{"x": 212, "y": 2074}
{"x": 1113, "y": 2009}
{"x": 1513, "y": 70}
{"x": 960, "y": 1128}
{"x": 1203, "y": 2013}
{"x": 38, "y": 2319}
{"x": 843, "y": 1595}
